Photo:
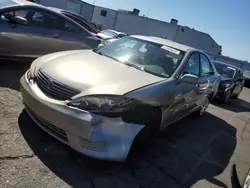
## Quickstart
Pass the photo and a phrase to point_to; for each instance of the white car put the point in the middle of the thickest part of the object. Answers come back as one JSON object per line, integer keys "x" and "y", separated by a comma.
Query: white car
{"x": 111, "y": 34}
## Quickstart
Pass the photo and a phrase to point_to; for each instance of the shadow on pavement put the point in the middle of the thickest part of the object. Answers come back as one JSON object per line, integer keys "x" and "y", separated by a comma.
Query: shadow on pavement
{"x": 235, "y": 105}
{"x": 11, "y": 72}
{"x": 188, "y": 151}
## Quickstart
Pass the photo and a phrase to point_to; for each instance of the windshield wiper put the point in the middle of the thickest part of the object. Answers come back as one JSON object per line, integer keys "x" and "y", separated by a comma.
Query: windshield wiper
{"x": 134, "y": 65}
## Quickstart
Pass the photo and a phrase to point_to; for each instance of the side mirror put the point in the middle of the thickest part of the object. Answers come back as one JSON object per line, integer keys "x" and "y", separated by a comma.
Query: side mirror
{"x": 189, "y": 78}
{"x": 19, "y": 20}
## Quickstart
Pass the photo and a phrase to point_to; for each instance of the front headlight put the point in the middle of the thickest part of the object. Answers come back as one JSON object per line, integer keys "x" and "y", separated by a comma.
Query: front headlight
{"x": 109, "y": 105}
{"x": 32, "y": 68}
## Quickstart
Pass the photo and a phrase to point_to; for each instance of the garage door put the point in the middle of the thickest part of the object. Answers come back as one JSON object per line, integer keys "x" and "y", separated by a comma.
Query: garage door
{"x": 73, "y": 7}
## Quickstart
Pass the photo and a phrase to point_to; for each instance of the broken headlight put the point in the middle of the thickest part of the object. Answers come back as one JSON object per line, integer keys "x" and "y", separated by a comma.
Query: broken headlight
{"x": 107, "y": 105}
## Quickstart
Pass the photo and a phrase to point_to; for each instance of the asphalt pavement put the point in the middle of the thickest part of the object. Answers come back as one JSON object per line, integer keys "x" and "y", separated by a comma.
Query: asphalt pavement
{"x": 194, "y": 152}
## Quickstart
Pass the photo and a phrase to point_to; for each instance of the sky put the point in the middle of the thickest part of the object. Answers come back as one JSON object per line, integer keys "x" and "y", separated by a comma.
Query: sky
{"x": 227, "y": 21}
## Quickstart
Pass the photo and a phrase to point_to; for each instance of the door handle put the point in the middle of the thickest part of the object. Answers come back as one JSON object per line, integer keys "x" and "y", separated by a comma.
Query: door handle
{"x": 55, "y": 36}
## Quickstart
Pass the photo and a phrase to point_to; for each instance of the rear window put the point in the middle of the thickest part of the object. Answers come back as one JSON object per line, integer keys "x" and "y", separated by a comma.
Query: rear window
{"x": 81, "y": 22}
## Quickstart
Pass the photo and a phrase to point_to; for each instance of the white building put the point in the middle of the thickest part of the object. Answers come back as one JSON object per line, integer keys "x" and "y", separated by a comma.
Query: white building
{"x": 133, "y": 24}
{"x": 77, "y": 6}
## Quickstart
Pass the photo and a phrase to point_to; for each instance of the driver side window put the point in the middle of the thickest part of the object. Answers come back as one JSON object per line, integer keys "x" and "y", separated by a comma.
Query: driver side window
{"x": 192, "y": 66}
{"x": 35, "y": 18}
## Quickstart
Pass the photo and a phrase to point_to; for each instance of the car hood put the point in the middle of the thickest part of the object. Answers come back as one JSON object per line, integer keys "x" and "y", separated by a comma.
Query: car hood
{"x": 92, "y": 73}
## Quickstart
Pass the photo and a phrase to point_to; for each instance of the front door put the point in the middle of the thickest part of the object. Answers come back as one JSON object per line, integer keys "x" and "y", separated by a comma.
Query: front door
{"x": 206, "y": 79}
{"x": 185, "y": 94}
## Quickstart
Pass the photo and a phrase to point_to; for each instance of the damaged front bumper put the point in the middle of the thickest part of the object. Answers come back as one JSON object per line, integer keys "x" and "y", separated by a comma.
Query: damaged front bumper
{"x": 90, "y": 134}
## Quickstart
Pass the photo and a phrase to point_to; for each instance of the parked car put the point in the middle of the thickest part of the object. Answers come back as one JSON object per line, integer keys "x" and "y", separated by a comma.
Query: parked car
{"x": 100, "y": 102}
{"x": 111, "y": 34}
{"x": 77, "y": 18}
{"x": 232, "y": 81}
{"x": 246, "y": 75}
{"x": 29, "y": 30}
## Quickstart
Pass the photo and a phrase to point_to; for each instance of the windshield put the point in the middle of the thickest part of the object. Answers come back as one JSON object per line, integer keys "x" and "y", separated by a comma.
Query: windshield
{"x": 110, "y": 33}
{"x": 225, "y": 70}
{"x": 151, "y": 57}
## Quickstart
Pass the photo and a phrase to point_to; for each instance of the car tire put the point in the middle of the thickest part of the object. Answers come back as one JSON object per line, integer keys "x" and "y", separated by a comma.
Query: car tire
{"x": 227, "y": 97}
{"x": 151, "y": 118}
{"x": 236, "y": 96}
{"x": 203, "y": 107}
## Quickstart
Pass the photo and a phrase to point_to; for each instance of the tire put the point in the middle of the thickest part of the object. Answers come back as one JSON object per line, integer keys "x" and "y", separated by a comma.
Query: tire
{"x": 152, "y": 125}
{"x": 227, "y": 97}
{"x": 151, "y": 118}
{"x": 236, "y": 96}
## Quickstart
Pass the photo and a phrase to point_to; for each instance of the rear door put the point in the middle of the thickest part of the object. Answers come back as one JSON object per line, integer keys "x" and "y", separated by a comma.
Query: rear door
{"x": 73, "y": 36}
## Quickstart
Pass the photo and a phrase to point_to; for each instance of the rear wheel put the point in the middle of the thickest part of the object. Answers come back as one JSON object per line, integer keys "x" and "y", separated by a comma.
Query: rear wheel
{"x": 227, "y": 96}
{"x": 236, "y": 96}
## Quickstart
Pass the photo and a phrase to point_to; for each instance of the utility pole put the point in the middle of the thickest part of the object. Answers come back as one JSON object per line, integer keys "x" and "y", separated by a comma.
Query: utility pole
{"x": 94, "y": 2}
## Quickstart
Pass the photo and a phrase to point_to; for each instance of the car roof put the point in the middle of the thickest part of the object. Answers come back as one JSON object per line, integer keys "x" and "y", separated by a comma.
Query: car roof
{"x": 227, "y": 64}
{"x": 165, "y": 42}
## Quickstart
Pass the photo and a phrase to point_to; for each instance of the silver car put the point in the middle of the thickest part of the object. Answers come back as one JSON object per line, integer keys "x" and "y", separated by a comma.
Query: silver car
{"x": 99, "y": 102}
{"x": 111, "y": 34}
{"x": 29, "y": 30}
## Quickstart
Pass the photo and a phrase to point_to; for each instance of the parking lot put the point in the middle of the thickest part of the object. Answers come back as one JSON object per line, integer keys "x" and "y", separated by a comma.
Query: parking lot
{"x": 191, "y": 153}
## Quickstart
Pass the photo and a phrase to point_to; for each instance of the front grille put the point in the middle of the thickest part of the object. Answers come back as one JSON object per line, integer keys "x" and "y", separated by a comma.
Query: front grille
{"x": 57, "y": 132}
{"x": 54, "y": 89}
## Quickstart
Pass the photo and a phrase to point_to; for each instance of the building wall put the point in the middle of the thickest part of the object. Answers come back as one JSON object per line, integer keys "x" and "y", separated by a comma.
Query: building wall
{"x": 133, "y": 24}
{"x": 197, "y": 39}
{"x": 77, "y": 6}
{"x": 226, "y": 59}
{"x": 73, "y": 6}
{"x": 54, "y": 3}
{"x": 87, "y": 11}
{"x": 107, "y": 22}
